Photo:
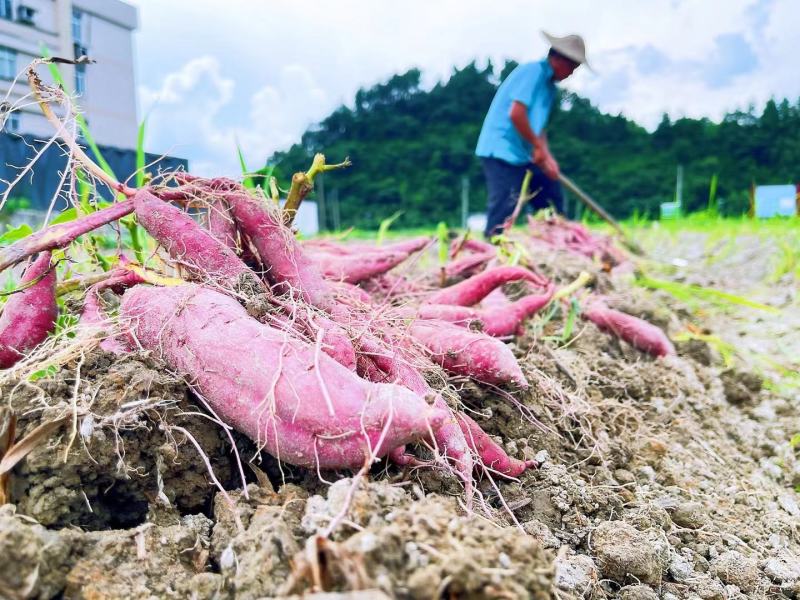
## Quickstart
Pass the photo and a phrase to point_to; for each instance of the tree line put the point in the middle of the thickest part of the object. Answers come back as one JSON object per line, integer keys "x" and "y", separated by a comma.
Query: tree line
{"x": 411, "y": 148}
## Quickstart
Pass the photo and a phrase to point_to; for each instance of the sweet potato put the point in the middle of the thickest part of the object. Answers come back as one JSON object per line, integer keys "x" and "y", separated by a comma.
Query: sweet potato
{"x": 30, "y": 315}
{"x": 472, "y": 290}
{"x": 492, "y": 456}
{"x": 203, "y": 256}
{"x": 462, "y": 352}
{"x": 349, "y": 291}
{"x": 509, "y": 320}
{"x": 637, "y": 332}
{"x": 469, "y": 264}
{"x": 93, "y": 316}
{"x": 300, "y": 405}
{"x": 380, "y": 363}
{"x": 357, "y": 268}
{"x": 497, "y": 322}
{"x": 287, "y": 265}
{"x": 221, "y": 225}
{"x": 62, "y": 234}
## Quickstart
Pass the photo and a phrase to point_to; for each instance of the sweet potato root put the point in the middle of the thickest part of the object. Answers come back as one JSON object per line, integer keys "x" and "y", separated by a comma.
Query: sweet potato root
{"x": 492, "y": 456}
{"x": 472, "y": 290}
{"x": 638, "y": 333}
{"x": 300, "y": 405}
{"x": 469, "y": 264}
{"x": 380, "y": 363}
{"x": 201, "y": 254}
{"x": 462, "y": 352}
{"x": 30, "y": 315}
{"x": 62, "y": 234}
{"x": 497, "y": 322}
{"x": 221, "y": 225}
{"x": 93, "y": 316}
{"x": 356, "y": 268}
{"x": 287, "y": 265}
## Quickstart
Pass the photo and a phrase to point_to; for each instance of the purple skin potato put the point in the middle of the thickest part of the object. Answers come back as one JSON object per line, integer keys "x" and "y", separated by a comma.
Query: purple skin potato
{"x": 377, "y": 362}
{"x": 93, "y": 315}
{"x": 62, "y": 234}
{"x": 356, "y": 268}
{"x": 496, "y": 322}
{"x": 492, "y": 456}
{"x": 466, "y": 265}
{"x": 473, "y": 290}
{"x": 221, "y": 225}
{"x": 202, "y": 255}
{"x": 463, "y": 352}
{"x": 508, "y": 321}
{"x": 638, "y": 333}
{"x": 272, "y": 387}
{"x": 29, "y": 316}
{"x": 286, "y": 264}
{"x": 349, "y": 291}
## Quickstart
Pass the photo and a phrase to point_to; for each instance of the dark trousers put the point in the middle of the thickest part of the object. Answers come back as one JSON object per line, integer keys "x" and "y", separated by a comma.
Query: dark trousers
{"x": 504, "y": 181}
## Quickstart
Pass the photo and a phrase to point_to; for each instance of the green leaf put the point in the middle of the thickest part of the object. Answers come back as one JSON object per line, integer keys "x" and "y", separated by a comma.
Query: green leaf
{"x": 65, "y": 217}
{"x": 140, "y": 155}
{"x": 16, "y": 234}
{"x": 42, "y": 373}
{"x": 569, "y": 324}
{"x": 385, "y": 224}
{"x": 685, "y": 291}
{"x": 795, "y": 441}
{"x": 444, "y": 242}
{"x": 248, "y": 181}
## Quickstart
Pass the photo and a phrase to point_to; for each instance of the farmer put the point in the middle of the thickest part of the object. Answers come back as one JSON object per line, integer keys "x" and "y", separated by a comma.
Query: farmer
{"x": 513, "y": 137}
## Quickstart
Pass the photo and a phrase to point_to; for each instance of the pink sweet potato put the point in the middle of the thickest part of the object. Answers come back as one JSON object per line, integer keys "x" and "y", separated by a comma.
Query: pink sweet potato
{"x": 497, "y": 322}
{"x": 356, "y": 268}
{"x": 93, "y": 316}
{"x": 472, "y": 290}
{"x": 300, "y": 405}
{"x": 193, "y": 247}
{"x": 637, "y": 332}
{"x": 463, "y": 352}
{"x": 349, "y": 291}
{"x": 30, "y": 315}
{"x": 221, "y": 225}
{"x": 287, "y": 265}
{"x": 380, "y": 363}
{"x": 492, "y": 456}
{"x": 62, "y": 234}
{"x": 464, "y": 316}
{"x": 508, "y": 321}
{"x": 468, "y": 264}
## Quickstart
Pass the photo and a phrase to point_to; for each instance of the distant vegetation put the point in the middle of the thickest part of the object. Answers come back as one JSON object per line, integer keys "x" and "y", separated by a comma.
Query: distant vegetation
{"x": 411, "y": 147}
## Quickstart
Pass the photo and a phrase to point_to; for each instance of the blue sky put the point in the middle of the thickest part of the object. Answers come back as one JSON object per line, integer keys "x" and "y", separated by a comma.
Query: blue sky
{"x": 258, "y": 72}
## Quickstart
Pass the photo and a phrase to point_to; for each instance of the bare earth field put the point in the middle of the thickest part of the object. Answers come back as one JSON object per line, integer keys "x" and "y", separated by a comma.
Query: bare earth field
{"x": 673, "y": 478}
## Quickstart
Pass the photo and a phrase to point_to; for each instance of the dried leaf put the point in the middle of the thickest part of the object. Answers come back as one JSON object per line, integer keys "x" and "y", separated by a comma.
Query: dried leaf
{"x": 31, "y": 441}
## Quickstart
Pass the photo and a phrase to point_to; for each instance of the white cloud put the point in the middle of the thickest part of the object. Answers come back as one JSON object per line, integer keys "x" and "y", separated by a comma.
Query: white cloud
{"x": 281, "y": 65}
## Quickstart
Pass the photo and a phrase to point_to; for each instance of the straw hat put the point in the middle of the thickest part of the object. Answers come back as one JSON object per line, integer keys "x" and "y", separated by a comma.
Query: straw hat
{"x": 571, "y": 46}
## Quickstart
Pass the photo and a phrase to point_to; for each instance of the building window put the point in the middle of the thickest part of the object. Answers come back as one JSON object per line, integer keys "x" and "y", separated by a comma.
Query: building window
{"x": 11, "y": 122}
{"x": 77, "y": 26}
{"x": 8, "y": 62}
{"x": 6, "y": 10}
{"x": 80, "y": 79}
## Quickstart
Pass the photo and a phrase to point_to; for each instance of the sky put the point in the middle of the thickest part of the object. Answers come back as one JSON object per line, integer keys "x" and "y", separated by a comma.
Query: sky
{"x": 257, "y": 73}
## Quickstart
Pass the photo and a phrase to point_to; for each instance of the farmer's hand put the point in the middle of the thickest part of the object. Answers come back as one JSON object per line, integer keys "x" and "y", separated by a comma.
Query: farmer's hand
{"x": 545, "y": 161}
{"x": 550, "y": 167}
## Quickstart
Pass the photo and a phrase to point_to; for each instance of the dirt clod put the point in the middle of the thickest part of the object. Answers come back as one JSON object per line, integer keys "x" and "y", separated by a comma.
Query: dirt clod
{"x": 736, "y": 569}
{"x": 624, "y": 553}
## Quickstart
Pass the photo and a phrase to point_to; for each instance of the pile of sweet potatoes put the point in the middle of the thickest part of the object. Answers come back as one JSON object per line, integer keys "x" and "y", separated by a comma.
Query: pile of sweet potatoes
{"x": 314, "y": 350}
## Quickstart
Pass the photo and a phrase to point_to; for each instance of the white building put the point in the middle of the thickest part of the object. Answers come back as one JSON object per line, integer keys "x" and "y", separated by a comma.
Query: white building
{"x": 100, "y": 29}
